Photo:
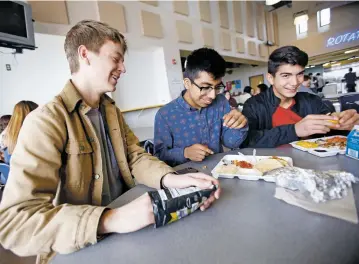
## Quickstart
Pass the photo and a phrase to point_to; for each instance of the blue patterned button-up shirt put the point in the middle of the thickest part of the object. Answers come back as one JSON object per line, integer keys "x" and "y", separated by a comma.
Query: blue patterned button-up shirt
{"x": 178, "y": 125}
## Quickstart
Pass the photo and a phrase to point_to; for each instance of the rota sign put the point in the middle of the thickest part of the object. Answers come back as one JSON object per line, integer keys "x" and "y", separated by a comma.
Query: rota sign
{"x": 344, "y": 38}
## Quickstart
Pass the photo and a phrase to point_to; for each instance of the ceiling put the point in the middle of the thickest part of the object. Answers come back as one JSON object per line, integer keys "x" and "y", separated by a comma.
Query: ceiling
{"x": 309, "y": 7}
{"x": 333, "y": 56}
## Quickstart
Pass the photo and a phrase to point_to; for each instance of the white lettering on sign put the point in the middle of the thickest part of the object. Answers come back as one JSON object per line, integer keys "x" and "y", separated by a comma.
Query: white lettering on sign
{"x": 344, "y": 38}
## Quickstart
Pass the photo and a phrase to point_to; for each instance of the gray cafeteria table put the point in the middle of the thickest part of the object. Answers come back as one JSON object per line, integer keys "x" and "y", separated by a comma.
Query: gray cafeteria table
{"x": 247, "y": 225}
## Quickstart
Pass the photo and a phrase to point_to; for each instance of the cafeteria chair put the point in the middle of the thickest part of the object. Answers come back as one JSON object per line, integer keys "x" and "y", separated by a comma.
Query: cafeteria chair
{"x": 349, "y": 101}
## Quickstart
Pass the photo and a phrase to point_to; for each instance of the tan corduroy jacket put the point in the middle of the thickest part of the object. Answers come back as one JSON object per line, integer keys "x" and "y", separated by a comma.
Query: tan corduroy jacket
{"x": 52, "y": 199}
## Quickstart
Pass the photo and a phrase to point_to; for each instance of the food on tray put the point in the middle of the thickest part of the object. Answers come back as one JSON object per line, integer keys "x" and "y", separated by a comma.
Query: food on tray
{"x": 283, "y": 161}
{"x": 243, "y": 167}
{"x": 227, "y": 169}
{"x": 246, "y": 168}
{"x": 242, "y": 164}
{"x": 238, "y": 167}
{"x": 334, "y": 142}
{"x": 321, "y": 186}
{"x": 265, "y": 165}
{"x": 307, "y": 144}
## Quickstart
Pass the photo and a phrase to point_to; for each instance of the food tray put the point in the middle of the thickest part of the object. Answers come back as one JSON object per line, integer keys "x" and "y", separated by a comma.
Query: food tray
{"x": 319, "y": 150}
{"x": 248, "y": 158}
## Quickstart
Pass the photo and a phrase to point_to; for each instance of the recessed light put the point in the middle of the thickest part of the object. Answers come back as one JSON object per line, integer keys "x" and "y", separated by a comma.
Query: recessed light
{"x": 351, "y": 51}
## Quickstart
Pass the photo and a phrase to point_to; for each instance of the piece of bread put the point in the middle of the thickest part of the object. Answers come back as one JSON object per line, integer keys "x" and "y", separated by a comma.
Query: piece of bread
{"x": 227, "y": 169}
{"x": 283, "y": 161}
{"x": 266, "y": 165}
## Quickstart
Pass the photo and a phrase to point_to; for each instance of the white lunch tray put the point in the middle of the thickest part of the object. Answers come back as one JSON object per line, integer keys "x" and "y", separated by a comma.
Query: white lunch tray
{"x": 320, "y": 151}
{"x": 248, "y": 158}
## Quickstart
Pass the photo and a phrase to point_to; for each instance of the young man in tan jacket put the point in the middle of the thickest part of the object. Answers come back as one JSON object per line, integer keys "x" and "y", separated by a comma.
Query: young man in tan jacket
{"x": 76, "y": 154}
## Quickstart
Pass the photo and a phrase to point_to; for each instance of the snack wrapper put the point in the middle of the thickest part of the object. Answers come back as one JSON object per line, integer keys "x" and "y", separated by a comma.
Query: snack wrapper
{"x": 170, "y": 205}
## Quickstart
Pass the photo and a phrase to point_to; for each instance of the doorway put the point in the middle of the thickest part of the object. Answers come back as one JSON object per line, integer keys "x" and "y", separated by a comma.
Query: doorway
{"x": 255, "y": 80}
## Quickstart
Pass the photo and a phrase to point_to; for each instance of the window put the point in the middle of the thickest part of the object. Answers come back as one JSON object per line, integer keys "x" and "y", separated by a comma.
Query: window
{"x": 324, "y": 17}
{"x": 301, "y": 24}
{"x": 303, "y": 27}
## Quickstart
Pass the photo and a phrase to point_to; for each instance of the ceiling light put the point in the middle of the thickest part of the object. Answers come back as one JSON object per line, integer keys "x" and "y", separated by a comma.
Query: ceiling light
{"x": 333, "y": 62}
{"x": 352, "y": 58}
{"x": 326, "y": 64}
{"x": 351, "y": 51}
{"x": 336, "y": 64}
{"x": 272, "y": 2}
{"x": 312, "y": 66}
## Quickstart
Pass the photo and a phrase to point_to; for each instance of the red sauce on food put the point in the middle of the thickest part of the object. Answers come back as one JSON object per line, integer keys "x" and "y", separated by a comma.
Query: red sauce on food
{"x": 244, "y": 164}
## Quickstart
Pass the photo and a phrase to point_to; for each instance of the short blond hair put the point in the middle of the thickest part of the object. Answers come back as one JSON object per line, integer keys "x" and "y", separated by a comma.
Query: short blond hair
{"x": 92, "y": 34}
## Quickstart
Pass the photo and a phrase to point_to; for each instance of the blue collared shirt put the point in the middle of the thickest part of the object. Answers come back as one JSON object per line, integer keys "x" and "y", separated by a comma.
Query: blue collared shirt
{"x": 178, "y": 125}
{"x": 303, "y": 89}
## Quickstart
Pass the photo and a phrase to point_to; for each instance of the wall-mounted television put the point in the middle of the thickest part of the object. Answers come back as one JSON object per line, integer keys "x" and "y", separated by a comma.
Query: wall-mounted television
{"x": 16, "y": 26}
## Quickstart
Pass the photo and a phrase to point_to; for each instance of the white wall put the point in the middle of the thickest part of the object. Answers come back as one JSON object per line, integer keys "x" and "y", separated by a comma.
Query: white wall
{"x": 145, "y": 81}
{"x": 36, "y": 75}
{"x": 244, "y": 72}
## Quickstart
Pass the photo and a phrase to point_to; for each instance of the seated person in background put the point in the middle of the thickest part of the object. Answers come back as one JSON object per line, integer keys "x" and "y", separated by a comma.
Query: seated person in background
{"x": 76, "y": 154}
{"x": 305, "y": 87}
{"x": 232, "y": 102}
{"x": 261, "y": 88}
{"x": 245, "y": 95}
{"x": 281, "y": 114}
{"x": 21, "y": 110}
{"x": 198, "y": 122}
{"x": 4, "y": 121}
{"x": 314, "y": 85}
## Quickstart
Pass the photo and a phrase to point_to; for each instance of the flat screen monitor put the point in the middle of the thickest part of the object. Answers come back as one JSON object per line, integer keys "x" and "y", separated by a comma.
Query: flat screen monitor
{"x": 16, "y": 26}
